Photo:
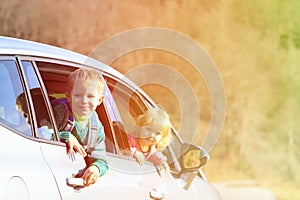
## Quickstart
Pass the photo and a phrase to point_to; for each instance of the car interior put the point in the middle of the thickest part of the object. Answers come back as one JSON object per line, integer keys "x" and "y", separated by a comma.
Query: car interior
{"x": 55, "y": 76}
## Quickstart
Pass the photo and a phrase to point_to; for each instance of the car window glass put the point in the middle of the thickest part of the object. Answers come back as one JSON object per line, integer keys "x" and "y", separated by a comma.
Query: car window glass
{"x": 44, "y": 124}
{"x": 11, "y": 88}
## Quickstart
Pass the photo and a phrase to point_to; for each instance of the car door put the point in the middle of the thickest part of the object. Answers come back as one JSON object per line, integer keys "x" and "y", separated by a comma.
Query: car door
{"x": 60, "y": 165}
{"x": 115, "y": 184}
{"x": 24, "y": 174}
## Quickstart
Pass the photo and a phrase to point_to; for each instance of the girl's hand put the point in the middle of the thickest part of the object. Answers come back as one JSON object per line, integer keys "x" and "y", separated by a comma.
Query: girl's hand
{"x": 91, "y": 175}
{"x": 73, "y": 144}
{"x": 164, "y": 166}
{"x": 140, "y": 158}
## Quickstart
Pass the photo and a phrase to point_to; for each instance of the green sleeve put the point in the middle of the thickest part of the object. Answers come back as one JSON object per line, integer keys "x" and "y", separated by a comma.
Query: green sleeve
{"x": 102, "y": 166}
{"x": 98, "y": 156}
{"x": 64, "y": 136}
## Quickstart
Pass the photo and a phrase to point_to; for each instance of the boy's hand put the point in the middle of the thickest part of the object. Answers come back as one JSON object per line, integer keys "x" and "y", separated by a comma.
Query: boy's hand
{"x": 74, "y": 144}
{"x": 140, "y": 158}
{"x": 91, "y": 175}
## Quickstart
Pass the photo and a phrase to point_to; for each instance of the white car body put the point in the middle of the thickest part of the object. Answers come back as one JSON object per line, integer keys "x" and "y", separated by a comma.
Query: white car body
{"x": 34, "y": 167}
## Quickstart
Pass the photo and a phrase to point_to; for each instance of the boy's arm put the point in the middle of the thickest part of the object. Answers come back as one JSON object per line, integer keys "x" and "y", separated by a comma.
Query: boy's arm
{"x": 98, "y": 155}
{"x": 64, "y": 136}
{"x": 71, "y": 142}
{"x": 61, "y": 113}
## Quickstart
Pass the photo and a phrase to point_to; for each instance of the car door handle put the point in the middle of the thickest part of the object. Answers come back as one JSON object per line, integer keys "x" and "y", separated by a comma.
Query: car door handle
{"x": 75, "y": 182}
{"x": 156, "y": 195}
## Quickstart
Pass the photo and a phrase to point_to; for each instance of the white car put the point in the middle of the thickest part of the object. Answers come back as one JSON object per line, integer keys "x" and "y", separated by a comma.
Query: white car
{"x": 35, "y": 166}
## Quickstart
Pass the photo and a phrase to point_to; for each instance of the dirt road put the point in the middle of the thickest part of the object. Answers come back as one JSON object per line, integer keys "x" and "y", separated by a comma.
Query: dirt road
{"x": 243, "y": 190}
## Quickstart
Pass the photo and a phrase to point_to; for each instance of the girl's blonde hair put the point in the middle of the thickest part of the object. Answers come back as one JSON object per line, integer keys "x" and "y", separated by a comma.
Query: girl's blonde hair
{"x": 85, "y": 74}
{"x": 157, "y": 120}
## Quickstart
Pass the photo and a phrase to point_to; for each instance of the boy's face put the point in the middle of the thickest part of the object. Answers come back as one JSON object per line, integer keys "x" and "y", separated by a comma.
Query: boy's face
{"x": 84, "y": 98}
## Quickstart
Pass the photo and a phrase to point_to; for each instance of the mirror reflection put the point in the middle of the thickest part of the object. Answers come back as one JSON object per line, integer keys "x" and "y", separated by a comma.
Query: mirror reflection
{"x": 192, "y": 159}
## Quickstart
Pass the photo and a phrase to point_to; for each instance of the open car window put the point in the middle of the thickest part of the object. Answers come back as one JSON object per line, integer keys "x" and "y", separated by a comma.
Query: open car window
{"x": 54, "y": 76}
{"x": 129, "y": 103}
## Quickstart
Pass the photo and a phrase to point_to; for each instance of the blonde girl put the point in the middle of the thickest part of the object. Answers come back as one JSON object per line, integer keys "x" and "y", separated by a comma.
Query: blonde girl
{"x": 151, "y": 137}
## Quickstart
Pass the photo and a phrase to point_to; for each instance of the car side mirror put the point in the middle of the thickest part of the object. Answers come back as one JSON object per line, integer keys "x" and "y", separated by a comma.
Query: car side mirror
{"x": 193, "y": 157}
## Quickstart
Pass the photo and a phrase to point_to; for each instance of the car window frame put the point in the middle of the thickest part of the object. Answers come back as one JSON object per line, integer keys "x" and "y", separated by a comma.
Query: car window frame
{"x": 23, "y": 83}
{"x": 172, "y": 151}
{"x": 21, "y": 59}
{"x": 31, "y": 100}
{"x": 74, "y": 66}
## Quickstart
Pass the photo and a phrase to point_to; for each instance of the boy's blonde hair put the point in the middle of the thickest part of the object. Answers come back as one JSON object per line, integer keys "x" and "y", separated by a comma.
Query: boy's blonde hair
{"x": 85, "y": 74}
{"x": 157, "y": 120}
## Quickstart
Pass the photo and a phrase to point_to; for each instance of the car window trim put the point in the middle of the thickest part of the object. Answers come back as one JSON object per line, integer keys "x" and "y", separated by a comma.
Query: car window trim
{"x": 70, "y": 64}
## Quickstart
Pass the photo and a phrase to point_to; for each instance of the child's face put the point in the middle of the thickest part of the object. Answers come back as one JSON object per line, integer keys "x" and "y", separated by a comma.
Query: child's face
{"x": 84, "y": 98}
{"x": 154, "y": 137}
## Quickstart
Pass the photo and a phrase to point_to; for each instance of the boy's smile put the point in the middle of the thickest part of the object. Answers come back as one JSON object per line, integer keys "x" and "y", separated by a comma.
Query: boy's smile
{"x": 84, "y": 98}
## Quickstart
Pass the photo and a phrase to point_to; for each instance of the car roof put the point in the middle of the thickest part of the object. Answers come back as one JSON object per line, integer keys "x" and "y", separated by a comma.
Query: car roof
{"x": 15, "y": 46}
